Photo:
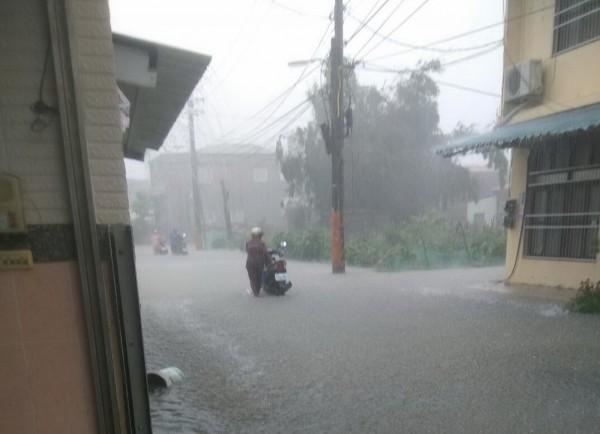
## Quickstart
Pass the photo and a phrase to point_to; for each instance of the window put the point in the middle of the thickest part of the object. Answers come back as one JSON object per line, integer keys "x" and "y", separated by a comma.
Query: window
{"x": 563, "y": 200}
{"x": 261, "y": 175}
{"x": 575, "y": 23}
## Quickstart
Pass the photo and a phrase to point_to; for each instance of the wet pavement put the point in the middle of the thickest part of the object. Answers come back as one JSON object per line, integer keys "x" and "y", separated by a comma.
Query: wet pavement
{"x": 445, "y": 351}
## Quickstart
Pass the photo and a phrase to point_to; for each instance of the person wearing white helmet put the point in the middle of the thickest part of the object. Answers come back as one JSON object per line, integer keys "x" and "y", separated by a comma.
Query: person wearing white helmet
{"x": 257, "y": 257}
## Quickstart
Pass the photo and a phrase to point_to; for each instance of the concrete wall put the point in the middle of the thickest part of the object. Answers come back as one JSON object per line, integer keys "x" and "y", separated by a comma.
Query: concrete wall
{"x": 46, "y": 380}
{"x": 571, "y": 79}
{"x": 258, "y": 202}
{"x": 95, "y": 65}
{"x": 35, "y": 157}
{"x": 488, "y": 206}
{"x": 250, "y": 202}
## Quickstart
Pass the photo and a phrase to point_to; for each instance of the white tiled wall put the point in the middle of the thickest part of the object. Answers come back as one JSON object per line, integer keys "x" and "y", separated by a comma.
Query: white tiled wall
{"x": 37, "y": 158}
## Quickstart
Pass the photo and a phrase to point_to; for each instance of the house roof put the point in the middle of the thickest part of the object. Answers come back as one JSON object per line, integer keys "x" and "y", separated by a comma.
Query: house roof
{"x": 527, "y": 133}
{"x": 158, "y": 98}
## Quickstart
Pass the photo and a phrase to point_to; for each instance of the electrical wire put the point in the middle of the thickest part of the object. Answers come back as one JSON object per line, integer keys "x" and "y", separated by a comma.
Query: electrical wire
{"x": 373, "y": 33}
{"x": 367, "y": 20}
{"x": 285, "y": 94}
{"x": 40, "y": 107}
{"x": 262, "y": 110}
{"x": 469, "y": 32}
{"x": 261, "y": 127}
{"x": 377, "y": 68}
{"x": 412, "y": 14}
{"x": 237, "y": 37}
{"x": 468, "y": 89}
{"x": 425, "y": 48}
{"x": 262, "y": 149}
{"x": 300, "y": 78}
{"x": 249, "y": 42}
{"x": 265, "y": 128}
{"x": 296, "y": 11}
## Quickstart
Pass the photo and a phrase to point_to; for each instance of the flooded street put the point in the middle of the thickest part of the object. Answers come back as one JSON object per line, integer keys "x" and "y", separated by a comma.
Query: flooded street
{"x": 424, "y": 351}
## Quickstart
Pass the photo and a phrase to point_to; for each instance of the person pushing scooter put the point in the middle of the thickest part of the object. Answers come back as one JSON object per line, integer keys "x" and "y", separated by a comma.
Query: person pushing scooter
{"x": 258, "y": 256}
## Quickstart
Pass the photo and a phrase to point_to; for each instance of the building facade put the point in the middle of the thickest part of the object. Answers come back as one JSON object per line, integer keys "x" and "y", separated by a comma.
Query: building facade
{"x": 551, "y": 120}
{"x": 70, "y": 360}
{"x": 488, "y": 209}
{"x": 245, "y": 180}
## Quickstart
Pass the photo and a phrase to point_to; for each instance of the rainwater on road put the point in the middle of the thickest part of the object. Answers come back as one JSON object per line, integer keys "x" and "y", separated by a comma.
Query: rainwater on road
{"x": 444, "y": 351}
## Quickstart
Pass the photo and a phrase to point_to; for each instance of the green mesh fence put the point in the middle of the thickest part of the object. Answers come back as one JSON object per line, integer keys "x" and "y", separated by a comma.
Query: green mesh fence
{"x": 427, "y": 242}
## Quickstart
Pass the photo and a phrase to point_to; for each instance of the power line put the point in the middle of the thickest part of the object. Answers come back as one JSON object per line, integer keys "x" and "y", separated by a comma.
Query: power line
{"x": 413, "y": 13}
{"x": 300, "y": 78}
{"x": 468, "y": 89}
{"x": 378, "y": 68}
{"x": 249, "y": 42}
{"x": 286, "y": 93}
{"x": 470, "y": 32}
{"x": 262, "y": 129}
{"x": 298, "y": 12}
{"x": 263, "y": 109}
{"x": 261, "y": 149}
{"x": 356, "y": 32}
{"x": 230, "y": 49}
{"x": 425, "y": 48}
{"x": 373, "y": 33}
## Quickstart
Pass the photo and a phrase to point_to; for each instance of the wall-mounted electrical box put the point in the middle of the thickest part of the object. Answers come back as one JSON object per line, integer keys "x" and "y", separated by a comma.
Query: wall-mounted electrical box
{"x": 11, "y": 208}
{"x": 15, "y": 259}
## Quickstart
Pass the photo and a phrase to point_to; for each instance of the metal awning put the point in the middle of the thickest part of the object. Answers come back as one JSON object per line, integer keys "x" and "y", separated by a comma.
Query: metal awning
{"x": 157, "y": 80}
{"x": 527, "y": 133}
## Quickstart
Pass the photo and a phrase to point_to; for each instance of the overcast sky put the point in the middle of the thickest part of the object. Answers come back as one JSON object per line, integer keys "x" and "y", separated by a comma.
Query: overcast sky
{"x": 252, "y": 41}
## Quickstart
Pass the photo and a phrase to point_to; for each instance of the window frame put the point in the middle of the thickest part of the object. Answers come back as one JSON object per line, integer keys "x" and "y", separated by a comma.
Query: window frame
{"x": 575, "y": 22}
{"x": 562, "y": 211}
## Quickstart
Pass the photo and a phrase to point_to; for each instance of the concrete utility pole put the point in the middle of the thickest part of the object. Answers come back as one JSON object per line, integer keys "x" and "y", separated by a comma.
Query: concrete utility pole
{"x": 226, "y": 212}
{"x": 195, "y": 186}
{"x": 338, "y": 261}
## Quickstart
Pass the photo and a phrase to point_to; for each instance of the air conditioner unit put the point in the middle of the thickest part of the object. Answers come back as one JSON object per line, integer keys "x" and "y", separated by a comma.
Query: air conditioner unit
{"x": 523, "y": 82}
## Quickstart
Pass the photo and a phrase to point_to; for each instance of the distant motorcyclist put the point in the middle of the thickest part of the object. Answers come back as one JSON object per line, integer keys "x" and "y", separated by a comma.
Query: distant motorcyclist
{"x": 258, "y": 256}
{"x": 158, "y": 245}
{"x": 175, "y": 241}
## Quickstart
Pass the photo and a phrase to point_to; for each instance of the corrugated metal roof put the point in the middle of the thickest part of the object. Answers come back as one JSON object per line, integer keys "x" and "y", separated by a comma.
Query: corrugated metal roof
{"x": 154, "y": 110}
{"x": 525, "y": 133}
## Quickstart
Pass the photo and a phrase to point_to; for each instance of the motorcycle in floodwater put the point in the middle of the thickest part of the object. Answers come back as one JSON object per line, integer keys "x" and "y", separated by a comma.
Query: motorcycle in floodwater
{"x": 275, "y": 278}
{"x": 179, "y": 247}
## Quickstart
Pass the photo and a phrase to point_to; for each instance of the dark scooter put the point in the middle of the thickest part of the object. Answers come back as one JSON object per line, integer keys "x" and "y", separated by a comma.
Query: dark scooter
{"x": 179, "y": 247}
{"x": 275, "y": 277}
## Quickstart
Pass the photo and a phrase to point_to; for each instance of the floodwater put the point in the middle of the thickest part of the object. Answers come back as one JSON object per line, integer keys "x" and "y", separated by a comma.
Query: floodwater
{"x": 451, "y": 351}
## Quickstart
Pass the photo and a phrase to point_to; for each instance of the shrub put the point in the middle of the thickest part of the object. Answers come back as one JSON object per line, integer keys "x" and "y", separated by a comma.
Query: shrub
{"x": 219, "y": 243}
{"x": 587, "y": 298}
{"x": 427, "y": 241}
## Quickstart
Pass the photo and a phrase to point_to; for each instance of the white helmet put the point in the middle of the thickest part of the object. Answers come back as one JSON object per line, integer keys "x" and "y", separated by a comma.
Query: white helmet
{"x": 256, "y": 231}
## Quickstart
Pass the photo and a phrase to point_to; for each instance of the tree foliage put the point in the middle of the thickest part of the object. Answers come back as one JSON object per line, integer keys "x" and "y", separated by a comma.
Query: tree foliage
{"x": 495, "y": 159}
{"x": 389, "y": 167}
